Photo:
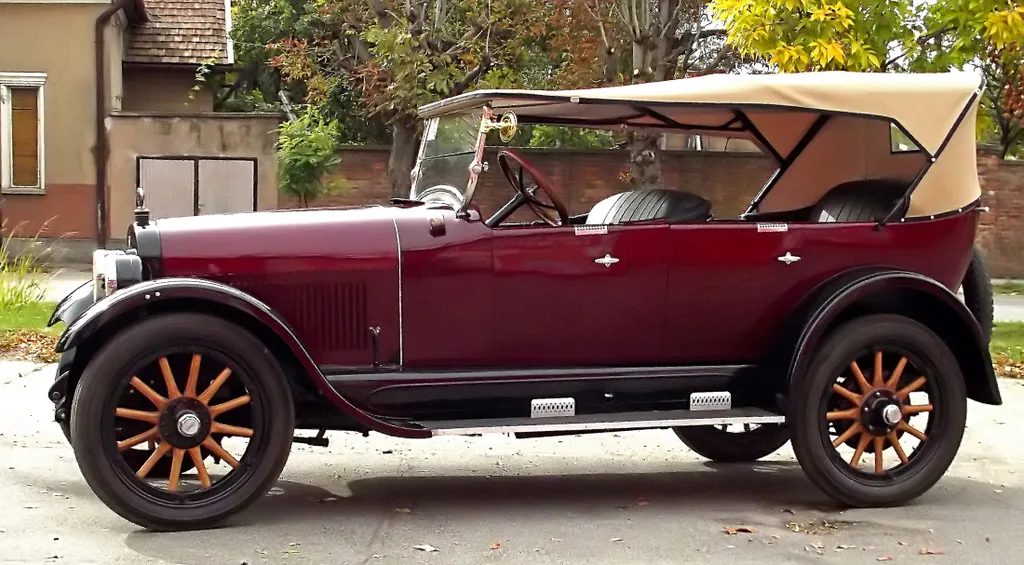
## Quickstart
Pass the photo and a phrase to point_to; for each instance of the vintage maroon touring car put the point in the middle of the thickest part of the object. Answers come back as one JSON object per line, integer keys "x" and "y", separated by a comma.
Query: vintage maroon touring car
{"x": 826, "y": 314}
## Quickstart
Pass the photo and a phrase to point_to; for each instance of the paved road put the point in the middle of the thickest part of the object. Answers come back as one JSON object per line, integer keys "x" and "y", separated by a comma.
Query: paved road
{"x": 1007, "y": 308}
{"x": 637, "y": 497}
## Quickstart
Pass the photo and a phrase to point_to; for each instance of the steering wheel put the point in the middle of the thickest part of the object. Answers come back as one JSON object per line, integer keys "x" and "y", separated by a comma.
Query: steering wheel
{"x": 553, "y": 212}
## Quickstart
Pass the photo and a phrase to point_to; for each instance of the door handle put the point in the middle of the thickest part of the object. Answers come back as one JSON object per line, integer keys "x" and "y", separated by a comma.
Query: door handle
{"x": 789, "y": 258}
{"x": 607, "y": 260}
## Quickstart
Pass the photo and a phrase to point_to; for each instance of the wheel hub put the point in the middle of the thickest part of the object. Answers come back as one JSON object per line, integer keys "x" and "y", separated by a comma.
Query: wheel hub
{"x": 185, "y": 422}
{"x": 188, "y": 424}
{"x": 881, "y": 412}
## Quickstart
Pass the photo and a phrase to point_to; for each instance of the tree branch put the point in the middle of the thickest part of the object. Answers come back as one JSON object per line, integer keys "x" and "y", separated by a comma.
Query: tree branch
{"x": 919, "y": 41}
{"x": 382, "y": 13}
{"x": 472, "y": 76}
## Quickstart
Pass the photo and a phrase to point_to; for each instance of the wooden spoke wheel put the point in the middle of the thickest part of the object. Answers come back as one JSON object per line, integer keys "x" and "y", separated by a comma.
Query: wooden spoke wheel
{"x": 880, "y": 414}
{"x": 738, "y": 443}
{"x": 181, "y": 420}
{"x": 871, "y": 412}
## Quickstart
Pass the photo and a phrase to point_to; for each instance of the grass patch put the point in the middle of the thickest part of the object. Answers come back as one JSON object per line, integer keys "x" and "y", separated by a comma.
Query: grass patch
{"x": 1008, "y": 341}
{"x": 29, "y": 317}
{"x": 1009, "y": 287}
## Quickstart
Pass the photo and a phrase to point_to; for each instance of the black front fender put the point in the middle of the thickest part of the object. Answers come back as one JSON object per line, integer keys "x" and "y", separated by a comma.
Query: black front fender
{"x": 910, "y": 294}
{"x": 140, "y": 297}
{"x": 73, "y": 305}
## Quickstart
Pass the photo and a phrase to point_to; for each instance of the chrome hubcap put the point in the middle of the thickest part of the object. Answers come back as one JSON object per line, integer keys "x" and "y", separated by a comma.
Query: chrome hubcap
{"x": 188, "y": 424}
{"x": 892, "y": 415}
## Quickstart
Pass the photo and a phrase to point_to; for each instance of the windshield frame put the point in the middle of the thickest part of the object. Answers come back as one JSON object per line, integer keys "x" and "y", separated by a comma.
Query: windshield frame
{"x": 475, "y": 167}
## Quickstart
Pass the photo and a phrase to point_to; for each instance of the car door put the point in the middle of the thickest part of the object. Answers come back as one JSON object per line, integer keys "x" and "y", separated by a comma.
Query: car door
{"x": 579, "y": 295}
{"x": 730, "y": 287}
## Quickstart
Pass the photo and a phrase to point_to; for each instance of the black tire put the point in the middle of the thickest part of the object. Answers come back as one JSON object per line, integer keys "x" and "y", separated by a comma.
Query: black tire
{"x": 103, "y": 385}
{"x": 723, "y": 446}
{"x": 977, "y": 287}
{"x": 928, "y": 356}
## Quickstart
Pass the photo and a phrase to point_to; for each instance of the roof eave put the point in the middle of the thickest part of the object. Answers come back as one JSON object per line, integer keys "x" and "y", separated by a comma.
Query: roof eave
{"x": 136, "y": 12}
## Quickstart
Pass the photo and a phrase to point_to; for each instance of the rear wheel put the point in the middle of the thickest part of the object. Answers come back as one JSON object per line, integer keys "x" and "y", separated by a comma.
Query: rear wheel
{"x": 880, "y": 415}
{"x": 183, "y": 386}
{"x": 739, "y": 444}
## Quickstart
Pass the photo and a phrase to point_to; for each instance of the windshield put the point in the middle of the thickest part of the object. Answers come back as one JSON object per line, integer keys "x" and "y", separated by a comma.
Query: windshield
{"x": 449, "y": 148}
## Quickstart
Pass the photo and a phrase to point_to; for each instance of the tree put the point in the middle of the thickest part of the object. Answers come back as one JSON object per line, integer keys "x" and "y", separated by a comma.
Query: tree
{"x": 400, "y": 54}
{"x": 255, "y": 86}
{"x": 640, "y": 41}
{"x": 889, "y": 36}
{"x": 1004, "y": 97}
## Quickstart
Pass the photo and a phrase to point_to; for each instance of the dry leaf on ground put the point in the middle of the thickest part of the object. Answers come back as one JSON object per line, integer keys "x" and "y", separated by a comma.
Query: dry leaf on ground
{"x": 496, "y": 546}
{"x": 740, "y": 530}
{"x": 28, "y": 345}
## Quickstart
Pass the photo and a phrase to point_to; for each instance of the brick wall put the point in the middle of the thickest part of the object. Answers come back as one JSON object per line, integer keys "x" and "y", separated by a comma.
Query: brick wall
{"x": 728, "y": 179}
{"x": 1001, "y": 234}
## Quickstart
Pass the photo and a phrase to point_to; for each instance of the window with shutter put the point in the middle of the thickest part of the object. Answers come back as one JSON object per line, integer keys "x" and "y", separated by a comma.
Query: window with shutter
{"x": 21, "y": 132}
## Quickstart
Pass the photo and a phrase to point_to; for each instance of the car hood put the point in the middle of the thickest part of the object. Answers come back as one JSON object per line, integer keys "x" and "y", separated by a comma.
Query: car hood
{"x": 282, "y": 240}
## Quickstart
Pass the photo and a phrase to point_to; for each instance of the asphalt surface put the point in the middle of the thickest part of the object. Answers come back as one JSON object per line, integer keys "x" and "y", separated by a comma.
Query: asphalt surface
{"x": 638, "y": 497}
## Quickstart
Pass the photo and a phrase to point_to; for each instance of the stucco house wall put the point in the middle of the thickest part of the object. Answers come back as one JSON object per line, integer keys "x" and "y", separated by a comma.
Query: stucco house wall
{"x": 67, "y": 199}
{"x": 213, "y": 134}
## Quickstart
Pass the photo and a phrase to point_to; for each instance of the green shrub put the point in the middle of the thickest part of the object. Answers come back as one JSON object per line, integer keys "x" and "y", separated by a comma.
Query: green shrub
{"x": 306, "y": 154}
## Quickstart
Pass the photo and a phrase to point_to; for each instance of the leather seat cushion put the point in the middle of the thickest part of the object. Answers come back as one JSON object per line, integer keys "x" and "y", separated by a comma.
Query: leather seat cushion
{"x": 859, "y": 201}
{"x": 653, "y": 204}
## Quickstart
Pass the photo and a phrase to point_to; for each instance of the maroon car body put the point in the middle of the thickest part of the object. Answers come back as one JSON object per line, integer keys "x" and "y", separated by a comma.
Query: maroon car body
{"x": 422, "y": 317}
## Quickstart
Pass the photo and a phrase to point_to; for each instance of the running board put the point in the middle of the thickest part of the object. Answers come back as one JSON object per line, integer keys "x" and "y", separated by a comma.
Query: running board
{"x": 598, "y": 422}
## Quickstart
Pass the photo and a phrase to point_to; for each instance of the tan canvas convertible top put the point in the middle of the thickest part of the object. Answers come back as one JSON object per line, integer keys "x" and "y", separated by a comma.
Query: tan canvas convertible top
{"x": 784, "y": 112}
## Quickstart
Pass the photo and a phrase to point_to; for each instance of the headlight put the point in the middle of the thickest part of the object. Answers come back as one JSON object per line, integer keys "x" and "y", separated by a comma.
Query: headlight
{"x": 112, "y": 270}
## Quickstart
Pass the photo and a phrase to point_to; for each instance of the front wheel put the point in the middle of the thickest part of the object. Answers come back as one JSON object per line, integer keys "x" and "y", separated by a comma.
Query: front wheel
{"x": 176, "y": 387}
{"x": 748, "y": 443}
{"x": 880, "y": 415}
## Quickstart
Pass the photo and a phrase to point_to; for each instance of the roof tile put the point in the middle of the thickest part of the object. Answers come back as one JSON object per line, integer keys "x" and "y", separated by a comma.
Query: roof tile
{"x": 180, "y": 31}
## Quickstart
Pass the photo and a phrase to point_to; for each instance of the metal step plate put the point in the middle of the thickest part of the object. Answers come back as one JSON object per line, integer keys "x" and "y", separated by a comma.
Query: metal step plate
{"x": 552, "y": 407}
{"x": 710, "y": 401}
{"x": 592, "y": 422}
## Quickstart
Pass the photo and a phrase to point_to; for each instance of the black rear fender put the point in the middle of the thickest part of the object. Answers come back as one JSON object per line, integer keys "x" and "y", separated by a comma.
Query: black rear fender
{"x": 894, "y": 292}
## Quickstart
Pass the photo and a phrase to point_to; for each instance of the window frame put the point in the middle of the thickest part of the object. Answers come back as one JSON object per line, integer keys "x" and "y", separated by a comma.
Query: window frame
{"x": 10, "y": 80}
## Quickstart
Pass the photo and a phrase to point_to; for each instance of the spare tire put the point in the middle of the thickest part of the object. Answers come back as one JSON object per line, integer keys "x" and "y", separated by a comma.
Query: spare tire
{"x": 977, "y": 288}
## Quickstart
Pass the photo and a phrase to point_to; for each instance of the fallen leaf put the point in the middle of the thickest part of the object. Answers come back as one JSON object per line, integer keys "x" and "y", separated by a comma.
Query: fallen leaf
{"x": 740, "y": 530}
{"x": 426, "y": 547}
{"x": 926, "y": 551}
{"x": 495, "y": 546}
{"x": 29, "y": 345}
{"x": 403, "y": 510}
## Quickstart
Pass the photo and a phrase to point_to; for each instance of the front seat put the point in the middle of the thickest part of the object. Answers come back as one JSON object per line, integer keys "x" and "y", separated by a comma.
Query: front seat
{"x": 652, "y": 204}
